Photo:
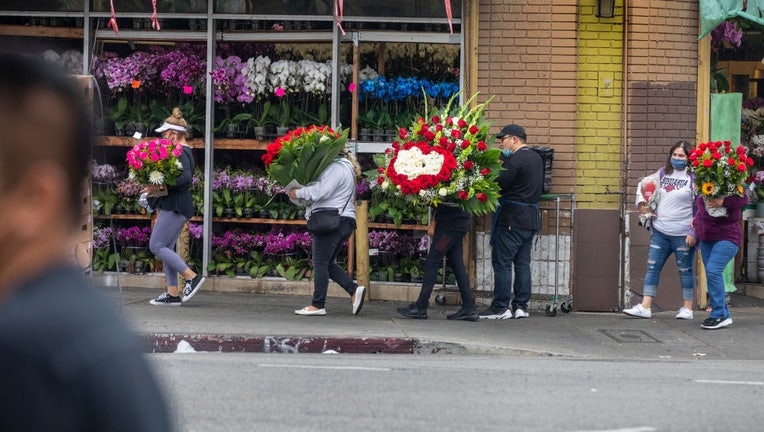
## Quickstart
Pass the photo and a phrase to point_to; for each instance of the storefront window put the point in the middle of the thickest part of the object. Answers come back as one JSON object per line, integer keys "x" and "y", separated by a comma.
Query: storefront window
{"x": 176, "y": 6}
{"x": 365, "y": 8}
{"x": 44, "y": 5}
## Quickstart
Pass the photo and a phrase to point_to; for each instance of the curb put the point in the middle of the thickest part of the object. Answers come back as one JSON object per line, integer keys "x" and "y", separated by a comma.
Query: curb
{"x": 183, "y": 343}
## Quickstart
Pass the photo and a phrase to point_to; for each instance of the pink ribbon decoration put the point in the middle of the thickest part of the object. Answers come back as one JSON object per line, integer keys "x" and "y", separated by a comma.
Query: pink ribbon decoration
{"x": 449, "y": 15}
{"x": 154, "y": 20}
{"x": 338, "y": 14}
{"x": 113, "y": 20}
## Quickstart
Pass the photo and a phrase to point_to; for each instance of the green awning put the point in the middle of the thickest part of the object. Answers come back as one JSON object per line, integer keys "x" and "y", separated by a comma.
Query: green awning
{"x": 715, "y": 12}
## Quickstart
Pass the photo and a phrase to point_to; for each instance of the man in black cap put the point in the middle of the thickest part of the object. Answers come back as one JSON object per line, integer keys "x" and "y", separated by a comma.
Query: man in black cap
{"x": 515, "y": 222}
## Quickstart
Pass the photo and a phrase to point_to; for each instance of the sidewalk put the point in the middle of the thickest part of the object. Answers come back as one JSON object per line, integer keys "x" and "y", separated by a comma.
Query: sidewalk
{"x": 216, "y": 321}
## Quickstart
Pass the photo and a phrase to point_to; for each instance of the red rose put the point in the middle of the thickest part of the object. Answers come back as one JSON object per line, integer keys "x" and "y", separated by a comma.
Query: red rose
{"x": 749, "y": 161}
{"x": 443, "y": 141}
{"x": 741, "y": 167}
{"x": 702, "y": 147}
{"x": 465, "y": 144}
{"x": 695, "y": 163}
{"x": 713, "y": 147}
{"x": 380, "y": 180}
{"x": 716, "y": 155}
{"x": 449, "y": 121}
{"x": 732, "y": 161}
{"x": 707, "y": 163}
{"x": 380, "y": 170}
{"x": 468, "y": 165}
{"x": 463, "y": 195}
{"x": 435, "y": 119}
{"x": 402, "y": 133}
{"x": 692, "y": 156}
{"x": 429, "y": 136}
{"x": 474, "y": 129}
{"x": 438, "y": 127}
{"x": 481, "y": 197}
{"x": 485, "y": 171}
{"x": 462, "y": 124}
{"x": 740, "y": 150}
{"x": 727, "y": 143}
{"x": 456, "y": 133}
{"x": 482, "y": 146}
{"x": 727, "y": 149}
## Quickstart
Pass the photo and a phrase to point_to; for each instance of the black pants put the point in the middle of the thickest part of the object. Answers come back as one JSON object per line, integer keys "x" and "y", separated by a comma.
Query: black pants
{"x": 325, "y": 249}
{"x": 446, "y": 243}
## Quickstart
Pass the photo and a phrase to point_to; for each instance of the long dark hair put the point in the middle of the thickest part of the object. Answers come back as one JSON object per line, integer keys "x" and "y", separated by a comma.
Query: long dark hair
{"x": 687, "y": 147}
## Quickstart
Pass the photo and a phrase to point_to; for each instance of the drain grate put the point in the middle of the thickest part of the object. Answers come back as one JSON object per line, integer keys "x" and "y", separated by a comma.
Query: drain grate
{"x": 629, "y": 336}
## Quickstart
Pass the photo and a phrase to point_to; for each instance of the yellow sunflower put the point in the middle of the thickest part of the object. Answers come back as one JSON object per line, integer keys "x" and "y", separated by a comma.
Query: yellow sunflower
{"x": 708, "y": 188}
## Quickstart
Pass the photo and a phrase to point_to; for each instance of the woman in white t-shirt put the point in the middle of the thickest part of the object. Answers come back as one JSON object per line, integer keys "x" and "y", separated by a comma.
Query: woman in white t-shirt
{"x": 671, "y": 231}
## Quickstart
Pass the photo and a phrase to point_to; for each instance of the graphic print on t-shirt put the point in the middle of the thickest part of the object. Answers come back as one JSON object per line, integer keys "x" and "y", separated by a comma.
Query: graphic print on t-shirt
{"x": 669, "y": 184}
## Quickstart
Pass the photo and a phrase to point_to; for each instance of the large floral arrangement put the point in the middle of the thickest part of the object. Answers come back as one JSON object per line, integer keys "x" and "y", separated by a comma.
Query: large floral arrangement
{"x": 445, "y": 159}
{"x": 718, "y": 169}
{"x": 155, "y": 162}
{"x": 303, "y": 154}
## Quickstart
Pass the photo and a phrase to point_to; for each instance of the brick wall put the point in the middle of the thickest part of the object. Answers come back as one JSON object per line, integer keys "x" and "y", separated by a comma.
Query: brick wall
{"x": 527, "y": 61}
{"x": 663, "y": 58}
{"x": 599, "y": 146}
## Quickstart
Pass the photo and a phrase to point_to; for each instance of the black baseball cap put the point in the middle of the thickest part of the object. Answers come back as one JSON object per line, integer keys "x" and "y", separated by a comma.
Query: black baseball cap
{"x": 514, "y": 130}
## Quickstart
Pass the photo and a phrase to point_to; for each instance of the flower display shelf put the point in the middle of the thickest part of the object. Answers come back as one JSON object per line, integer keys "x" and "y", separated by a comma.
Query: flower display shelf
{"x": 253, "y": 220}
{"x": 42, "y": 31}
{"x": 124, "y": 217}
{"x": 394, "y": 226}
{"x": 219, "y": 143}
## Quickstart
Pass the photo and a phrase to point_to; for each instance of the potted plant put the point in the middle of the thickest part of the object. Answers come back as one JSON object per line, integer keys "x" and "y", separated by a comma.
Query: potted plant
{"x": 262, "y": 117}
{"x": 118, "y": 114}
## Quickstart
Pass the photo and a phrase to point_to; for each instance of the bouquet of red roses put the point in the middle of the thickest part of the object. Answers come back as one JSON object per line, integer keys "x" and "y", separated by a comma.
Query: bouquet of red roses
{"x": 718, "y": 169}
{"x": 303, "y": 154}
{"x": 445, "y": 159}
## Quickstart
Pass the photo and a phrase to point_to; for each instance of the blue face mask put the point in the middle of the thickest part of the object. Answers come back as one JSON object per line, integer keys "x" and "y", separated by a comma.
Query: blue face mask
{"x": 506, "y": 152}
{"x": 679, "y": 164}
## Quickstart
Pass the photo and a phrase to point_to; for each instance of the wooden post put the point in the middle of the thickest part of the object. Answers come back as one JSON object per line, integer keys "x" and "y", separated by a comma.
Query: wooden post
{"x": 362, "y": 244}
{"x": 702, "y": 135}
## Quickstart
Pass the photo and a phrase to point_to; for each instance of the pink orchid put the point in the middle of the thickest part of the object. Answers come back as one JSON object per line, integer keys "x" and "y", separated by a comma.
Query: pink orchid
{"x": 351, "y": 87}
{"x": 280, "y": 92}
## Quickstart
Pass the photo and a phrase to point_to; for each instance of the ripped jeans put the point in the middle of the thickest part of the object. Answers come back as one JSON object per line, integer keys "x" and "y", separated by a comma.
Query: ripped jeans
{"x": 661, "y": 246}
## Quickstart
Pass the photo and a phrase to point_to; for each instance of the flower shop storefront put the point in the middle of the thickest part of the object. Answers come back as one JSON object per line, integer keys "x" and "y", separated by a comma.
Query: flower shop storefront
{"x": 242, "y": 74}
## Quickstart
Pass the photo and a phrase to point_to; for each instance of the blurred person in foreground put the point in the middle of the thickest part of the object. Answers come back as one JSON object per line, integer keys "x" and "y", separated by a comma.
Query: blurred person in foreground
{"x": 67, "y": 360}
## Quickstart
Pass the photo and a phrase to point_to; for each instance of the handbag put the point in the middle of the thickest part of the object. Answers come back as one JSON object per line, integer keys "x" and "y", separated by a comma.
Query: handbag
{"x": 325, "y": 220}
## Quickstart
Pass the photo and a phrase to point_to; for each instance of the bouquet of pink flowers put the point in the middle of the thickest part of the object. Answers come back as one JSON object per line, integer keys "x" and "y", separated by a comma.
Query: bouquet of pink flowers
{"x": 156, "y": 162}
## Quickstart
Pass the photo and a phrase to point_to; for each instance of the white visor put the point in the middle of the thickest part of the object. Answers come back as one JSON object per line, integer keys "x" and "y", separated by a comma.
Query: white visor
{"x": 167, "y": 126}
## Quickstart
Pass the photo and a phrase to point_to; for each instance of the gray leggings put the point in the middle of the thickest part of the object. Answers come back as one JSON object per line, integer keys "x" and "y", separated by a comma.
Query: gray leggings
{"x": 162, "y": 244}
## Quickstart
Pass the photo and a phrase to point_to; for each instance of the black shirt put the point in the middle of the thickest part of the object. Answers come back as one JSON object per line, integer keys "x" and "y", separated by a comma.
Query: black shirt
{"x": 68, "y": 362}
{"x": 521, "y": 182}
{"x": 452, "y": 218}
{"x": 178, "y": 198}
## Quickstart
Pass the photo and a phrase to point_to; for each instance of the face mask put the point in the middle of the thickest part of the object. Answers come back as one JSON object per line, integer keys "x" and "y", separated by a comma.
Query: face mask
{"x": 506, "y": 152}
{"x": 679, "y": 164}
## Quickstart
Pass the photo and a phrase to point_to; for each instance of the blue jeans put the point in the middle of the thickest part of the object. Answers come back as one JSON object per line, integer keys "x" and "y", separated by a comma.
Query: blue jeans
{"x": 511, "y": 247}
{"x": 446, "y": 243}
{"x": 661, "y": 247}
{"x": 325, "y": 248}
{"x": 716, "y": 255}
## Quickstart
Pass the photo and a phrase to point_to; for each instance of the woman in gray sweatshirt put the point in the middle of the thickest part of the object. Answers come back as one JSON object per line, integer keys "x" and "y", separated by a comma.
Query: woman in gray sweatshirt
{"x": 335, "y": 187}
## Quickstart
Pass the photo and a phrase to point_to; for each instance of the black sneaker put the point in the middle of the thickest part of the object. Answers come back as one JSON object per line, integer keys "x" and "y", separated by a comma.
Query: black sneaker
{"x": 165, "y": 299}
{"x": 464, "y": 315}
{"x": 715, "y": 323}
{"x": 492, "y": 313}
{"x": 192, "y": 287}
{"x": 411, "y": 311}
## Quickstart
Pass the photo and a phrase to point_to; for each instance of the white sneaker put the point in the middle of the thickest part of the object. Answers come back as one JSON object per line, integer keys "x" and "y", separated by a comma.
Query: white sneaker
{"x": 358, "y": 299}
{"x": 684, "y": 313}
{"x": 308, "y": 312}
{"x": 638, "y": 311}
{"x": 521, "y": 314}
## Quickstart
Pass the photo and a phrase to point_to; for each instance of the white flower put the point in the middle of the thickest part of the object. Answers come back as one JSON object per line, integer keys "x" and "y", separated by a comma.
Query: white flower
{"x": 413, "y": 163}
{"x": 156, "y": 177}
{"x": 178, "y": 164}
{"x": 131, "y": 175}
{"x": 442, "y": 191}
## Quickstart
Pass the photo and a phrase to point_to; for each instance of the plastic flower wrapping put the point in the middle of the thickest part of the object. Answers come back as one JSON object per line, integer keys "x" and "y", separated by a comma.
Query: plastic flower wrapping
{"x": 303, "y": 154}
{"x": 445, "y": 159}
{"x": 155, "y": 162}
{"x": 719, "y": 170}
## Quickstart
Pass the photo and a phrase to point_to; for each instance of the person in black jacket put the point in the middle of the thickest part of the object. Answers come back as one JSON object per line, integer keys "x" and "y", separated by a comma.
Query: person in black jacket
{"x": 450, "y": 224}
{"x": 515, "y": 222}
{"x": 68, "y": 361}
{"x": 175, "y": 209}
